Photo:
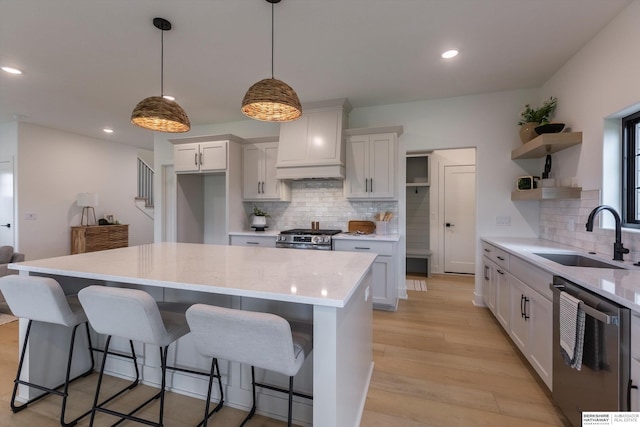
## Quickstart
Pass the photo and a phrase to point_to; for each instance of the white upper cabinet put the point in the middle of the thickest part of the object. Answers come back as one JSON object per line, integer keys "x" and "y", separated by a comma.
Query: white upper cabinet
{"x": 259, "y": 173}
{"x": 313, "y": 145}
{"x": 200, "y": 157}
{"x": 371, "y": 166}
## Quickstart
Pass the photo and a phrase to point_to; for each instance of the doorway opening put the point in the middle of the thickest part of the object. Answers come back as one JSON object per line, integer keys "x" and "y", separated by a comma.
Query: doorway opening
{"x": 441, "y": 212}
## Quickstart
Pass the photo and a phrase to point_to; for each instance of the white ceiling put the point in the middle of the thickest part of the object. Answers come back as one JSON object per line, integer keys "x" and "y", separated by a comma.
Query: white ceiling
{"x": 87, "y": 63}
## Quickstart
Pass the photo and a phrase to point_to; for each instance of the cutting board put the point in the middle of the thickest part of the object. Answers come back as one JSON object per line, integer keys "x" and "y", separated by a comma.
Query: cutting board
{"x": 366, "y": 227}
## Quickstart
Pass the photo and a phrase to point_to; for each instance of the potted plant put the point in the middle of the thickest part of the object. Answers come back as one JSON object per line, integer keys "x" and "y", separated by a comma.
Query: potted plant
{"x": 530, "y": 118}
{"x": 259, "y": 219}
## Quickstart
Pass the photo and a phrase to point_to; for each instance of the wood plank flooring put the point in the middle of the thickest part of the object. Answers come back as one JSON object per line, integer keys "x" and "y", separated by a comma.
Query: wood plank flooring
{"x": 439, "y": 361}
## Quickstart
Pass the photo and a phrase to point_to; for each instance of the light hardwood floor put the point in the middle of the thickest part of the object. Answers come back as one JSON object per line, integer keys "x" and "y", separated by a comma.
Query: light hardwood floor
{"x": 439, "y": 361}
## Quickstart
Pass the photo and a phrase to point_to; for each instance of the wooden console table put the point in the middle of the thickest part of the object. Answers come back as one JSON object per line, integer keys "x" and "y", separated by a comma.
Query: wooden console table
{"x": 91, "y": 238}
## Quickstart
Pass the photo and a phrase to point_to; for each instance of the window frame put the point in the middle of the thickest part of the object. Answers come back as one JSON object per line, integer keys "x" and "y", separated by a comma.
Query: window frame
{"x": 630, "y": 183}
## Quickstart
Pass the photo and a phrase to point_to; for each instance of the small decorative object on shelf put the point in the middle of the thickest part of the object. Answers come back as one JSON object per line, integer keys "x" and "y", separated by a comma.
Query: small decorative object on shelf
{"x": 531, "y": 118}
{"x": 549, "y": 128}
{"x": 259, "y": 219}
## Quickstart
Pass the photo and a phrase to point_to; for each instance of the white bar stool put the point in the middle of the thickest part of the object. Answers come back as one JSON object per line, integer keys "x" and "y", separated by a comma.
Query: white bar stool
{"x": 134, "y": 315}
{"x": 261, "y": 340}
{"x": 42, "y": 299}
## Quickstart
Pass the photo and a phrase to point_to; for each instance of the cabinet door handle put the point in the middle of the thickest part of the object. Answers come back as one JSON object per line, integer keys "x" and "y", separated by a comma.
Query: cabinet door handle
{"x": 258, "y": 187}
{"x": 366, "y": 185}
{"x": 486, "y": 272}
{"x": 629, "y": 387}
{"x": 526, "y": 315}
{"x": 201, "y": 159}
{"x": 360, "y": 247}
{"x": 195, "y": 159}
{"x": 371, "y": 185}
{"x": 262, "y": 187}
{"x": 522, "y": 305}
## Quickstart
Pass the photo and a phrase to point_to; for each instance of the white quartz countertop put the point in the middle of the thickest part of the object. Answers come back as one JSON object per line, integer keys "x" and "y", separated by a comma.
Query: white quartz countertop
{"x": 324, "y": 278}
{"x": 377, "y": 237}
{"x": 621, "y": 286}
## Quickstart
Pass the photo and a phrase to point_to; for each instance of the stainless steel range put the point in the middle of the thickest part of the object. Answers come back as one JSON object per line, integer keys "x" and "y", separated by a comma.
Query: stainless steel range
{"x": 300, "y": 238}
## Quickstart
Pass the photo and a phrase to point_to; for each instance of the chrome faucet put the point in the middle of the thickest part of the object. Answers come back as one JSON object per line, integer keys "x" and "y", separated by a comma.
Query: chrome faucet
{"x": 618, "y": 248}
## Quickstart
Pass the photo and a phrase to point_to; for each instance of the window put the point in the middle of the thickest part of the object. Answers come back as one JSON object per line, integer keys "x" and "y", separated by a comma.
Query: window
{"x": 631, "y": 170}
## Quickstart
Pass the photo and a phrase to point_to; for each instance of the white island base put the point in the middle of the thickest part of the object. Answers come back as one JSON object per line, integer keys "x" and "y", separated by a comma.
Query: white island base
{"x": 337, "y": 372}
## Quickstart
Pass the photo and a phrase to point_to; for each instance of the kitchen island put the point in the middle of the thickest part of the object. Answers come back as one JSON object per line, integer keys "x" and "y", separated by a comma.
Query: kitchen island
{"x": 330, "y": 290}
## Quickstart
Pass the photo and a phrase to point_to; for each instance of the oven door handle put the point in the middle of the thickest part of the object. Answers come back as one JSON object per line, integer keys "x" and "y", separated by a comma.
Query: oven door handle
{"x": 596, "y": 314}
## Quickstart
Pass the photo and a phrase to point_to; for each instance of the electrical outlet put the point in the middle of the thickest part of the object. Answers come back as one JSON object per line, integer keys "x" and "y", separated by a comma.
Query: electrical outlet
{"x": 503, "y": 221}
{"x": 30, "y": 216}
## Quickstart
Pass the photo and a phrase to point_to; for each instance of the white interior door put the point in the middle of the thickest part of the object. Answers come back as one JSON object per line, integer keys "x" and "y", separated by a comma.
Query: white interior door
{"x": 459, "y": 219}
{"x": 7, "y": 223}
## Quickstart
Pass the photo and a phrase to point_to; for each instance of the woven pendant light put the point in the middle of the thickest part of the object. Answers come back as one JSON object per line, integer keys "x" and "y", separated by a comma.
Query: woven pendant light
{"x": 271, "y": 100}
{"x": 156, "y": 112}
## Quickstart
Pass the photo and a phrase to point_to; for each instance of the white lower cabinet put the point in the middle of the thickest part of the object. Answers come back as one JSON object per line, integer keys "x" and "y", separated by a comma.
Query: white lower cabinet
{"x": 518, "y": 295}
{"x": 385, "y": 290}
{"x": 531, "y": 325}
{"x": 503, "y": 303}
{"x": 635, "y": 363}
{"x": 249, "y": 240}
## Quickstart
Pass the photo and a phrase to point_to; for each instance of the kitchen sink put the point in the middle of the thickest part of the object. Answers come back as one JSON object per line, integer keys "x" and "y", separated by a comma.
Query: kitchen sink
{"x": 577, "y": 260}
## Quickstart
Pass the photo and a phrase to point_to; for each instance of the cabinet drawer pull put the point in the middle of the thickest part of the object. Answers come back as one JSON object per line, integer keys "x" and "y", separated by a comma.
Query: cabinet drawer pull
{"x": 500, "y": 271}
{"x": 360, "y": 247}
{"x": 253, "y": 243}
{"x": 487, "y": 250}
{"x": 500, "y": 258}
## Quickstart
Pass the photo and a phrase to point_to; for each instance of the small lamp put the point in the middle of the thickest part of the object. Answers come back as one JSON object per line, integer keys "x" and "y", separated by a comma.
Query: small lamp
{"x": 87, "y": 201}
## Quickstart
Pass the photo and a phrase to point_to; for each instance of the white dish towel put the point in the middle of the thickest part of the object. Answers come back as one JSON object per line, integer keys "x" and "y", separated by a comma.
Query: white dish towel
{"x": 571, "y": 330}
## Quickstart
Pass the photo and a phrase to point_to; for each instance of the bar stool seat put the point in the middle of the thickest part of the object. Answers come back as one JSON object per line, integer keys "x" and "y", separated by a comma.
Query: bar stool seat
{"x": 261, "y": 340}
{"x": 134, "y": 315}
{"x": 42, "y": 299}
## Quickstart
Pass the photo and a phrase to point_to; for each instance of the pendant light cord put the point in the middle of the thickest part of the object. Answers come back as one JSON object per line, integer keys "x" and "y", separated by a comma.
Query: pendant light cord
{"x": 161, "y": 63}
{"x": 272, "y": 38}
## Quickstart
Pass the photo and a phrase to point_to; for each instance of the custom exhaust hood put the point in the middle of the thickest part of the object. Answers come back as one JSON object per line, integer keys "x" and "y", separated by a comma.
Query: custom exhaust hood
{"x": 313, "y": 147}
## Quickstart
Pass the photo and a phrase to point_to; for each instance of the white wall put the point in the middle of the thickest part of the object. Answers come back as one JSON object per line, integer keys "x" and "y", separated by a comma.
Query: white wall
{"x": 598, "y": 82}
{"x": 52, "y": 167}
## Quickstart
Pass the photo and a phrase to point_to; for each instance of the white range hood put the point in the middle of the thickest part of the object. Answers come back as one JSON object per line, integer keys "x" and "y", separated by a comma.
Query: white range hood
{"x": 313, "y": 146}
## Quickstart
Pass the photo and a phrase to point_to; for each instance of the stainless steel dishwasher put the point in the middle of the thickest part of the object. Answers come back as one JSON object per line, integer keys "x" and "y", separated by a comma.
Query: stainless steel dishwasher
{"x": 602, "y": 384}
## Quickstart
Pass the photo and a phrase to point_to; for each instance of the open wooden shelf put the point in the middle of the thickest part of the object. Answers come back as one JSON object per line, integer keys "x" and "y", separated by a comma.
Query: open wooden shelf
{"x": 547, "y": 143}
{"x": 547, "y": 193}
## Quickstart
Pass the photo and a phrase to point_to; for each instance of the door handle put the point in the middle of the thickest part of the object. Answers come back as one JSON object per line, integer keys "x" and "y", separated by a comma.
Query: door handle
{"x": 5, "y": 225}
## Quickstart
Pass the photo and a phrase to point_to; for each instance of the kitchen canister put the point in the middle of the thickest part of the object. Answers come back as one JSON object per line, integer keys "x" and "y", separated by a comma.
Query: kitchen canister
{"x": 381, "y": 227}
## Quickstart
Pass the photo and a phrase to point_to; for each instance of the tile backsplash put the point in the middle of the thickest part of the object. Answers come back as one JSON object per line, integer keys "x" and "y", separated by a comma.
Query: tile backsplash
{"x": 563, "y": 221}
{"x": 323, "y": 201}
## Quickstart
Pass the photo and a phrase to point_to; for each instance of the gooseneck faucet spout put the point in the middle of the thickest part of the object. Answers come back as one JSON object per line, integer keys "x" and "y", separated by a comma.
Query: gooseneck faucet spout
{"x": 618, "y": 248}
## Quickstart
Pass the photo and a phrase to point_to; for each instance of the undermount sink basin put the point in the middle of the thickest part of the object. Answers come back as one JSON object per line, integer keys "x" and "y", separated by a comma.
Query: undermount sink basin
{"x": 577, "y": 260}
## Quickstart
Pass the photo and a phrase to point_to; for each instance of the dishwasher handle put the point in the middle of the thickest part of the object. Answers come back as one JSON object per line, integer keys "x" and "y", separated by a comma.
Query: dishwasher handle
{"x": 596, "y": 314}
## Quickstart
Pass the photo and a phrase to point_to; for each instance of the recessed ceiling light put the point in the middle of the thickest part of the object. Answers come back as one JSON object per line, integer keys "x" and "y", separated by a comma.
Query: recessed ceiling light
{"x": 169, "y": 97}
{"x": 450, "y": 54}
{"x": 107, "y": 130}
{"x": 11, "y": 70}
